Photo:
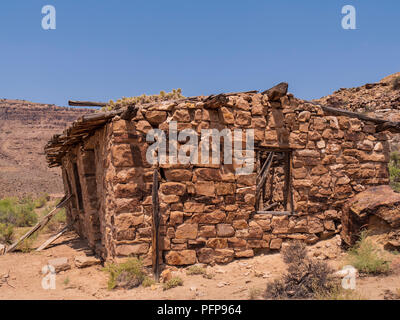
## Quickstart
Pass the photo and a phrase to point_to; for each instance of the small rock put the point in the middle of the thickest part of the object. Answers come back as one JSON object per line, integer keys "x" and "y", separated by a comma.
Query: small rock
{"x": 85, "y": 261}
{"x": 193, "y": 289}
{"x": 222, "y": 284}
{"x": 166, "y": 275}
{"x": 60, "y": 264}
{"x": 220, "y": 271}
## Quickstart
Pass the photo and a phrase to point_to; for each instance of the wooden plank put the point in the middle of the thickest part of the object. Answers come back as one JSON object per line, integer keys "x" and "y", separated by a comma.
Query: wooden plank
{"x": 54, "y": 238}
{"x": 156, "y": 228}
{"x": 40, "y": 224}
{"x": 286, "y": 186}
{"x": 271, "y": 206}
{"x": 264, "y": 174}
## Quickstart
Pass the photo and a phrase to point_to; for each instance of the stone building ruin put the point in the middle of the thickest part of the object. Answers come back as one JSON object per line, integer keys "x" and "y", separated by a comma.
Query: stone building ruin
{"x": 309, "y": 160}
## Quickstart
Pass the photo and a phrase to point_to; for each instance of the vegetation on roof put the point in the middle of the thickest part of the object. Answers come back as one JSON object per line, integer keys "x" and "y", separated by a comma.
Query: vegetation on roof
{"x": 125, "y": 102}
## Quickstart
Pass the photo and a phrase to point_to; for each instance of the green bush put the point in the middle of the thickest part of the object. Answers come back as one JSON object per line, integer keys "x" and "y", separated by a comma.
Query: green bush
{"x": 172, "y": 283}
{"x": 18, "y": 212}
{"x": 41, "y": 201}
{"x": 148, "y": 282}
{"x": 365, "y": 257}
{"x": 6, "y": 233}
{"x": 128, "y": 275}
{"x": 394, "y": 171}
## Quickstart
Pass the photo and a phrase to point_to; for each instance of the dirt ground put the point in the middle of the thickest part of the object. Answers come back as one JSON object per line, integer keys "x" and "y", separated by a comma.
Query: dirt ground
{"x": 235, "y": 280}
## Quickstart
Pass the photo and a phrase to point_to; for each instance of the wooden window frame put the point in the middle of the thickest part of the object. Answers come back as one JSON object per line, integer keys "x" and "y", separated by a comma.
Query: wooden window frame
{"x": 263, "y": 170}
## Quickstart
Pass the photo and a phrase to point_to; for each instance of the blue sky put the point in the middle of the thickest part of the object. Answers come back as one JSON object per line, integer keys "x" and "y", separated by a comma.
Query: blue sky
{"x": 104, "y": 50}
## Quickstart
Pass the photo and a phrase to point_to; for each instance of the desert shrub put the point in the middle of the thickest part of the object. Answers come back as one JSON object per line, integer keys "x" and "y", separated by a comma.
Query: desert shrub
{"x": 127, "y": 275}
{"x": 66, "y": 281}
{"x": 27, "y": 245}
{"x": 338, "y": 293}
{"x": 254, "y": 293}
{"x": 18, "y": 212}
{"x": 41, "y": 201}
{"x": 305, "y": 277}
{"x": 394, "y": 170}
{"x": 148, "y": 282}
{"x": 125, "y": 102}
{"x": 59, "y": 219}
{"x": 6, "y": 233}
{"x": 195, "y": 270}
{"x": 366, "y": 258}
{"x": 172, "y": 283}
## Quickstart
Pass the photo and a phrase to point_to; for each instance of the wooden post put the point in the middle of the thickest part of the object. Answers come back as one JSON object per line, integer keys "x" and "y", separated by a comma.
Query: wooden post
{"x": 287, "y": 179}
{"x": 156, "y": 228}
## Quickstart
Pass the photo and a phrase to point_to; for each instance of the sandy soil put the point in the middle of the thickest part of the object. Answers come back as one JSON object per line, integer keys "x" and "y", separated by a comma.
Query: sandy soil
{"x": 232, "y": 281}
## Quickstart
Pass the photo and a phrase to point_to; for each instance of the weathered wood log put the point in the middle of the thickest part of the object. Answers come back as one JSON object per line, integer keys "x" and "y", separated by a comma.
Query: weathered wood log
{"x": 156, "y": 228}
{"x": 276, "y": 213}
{"x": 40, "y": 224}
{"x": 86, "y": 103}
{"x": 382, "y": 124}
{"x": 55, "y": 237}
{"x": 264, "y": 174}
{"x": 286, "y": 186}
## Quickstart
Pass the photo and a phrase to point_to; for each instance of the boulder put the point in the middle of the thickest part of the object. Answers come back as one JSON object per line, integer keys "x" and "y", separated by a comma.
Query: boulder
{"x": 377, "y": 208}
{"x": 60, "y": 264}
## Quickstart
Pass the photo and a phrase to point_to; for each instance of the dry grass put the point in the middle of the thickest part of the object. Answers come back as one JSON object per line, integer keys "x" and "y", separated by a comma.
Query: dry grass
{"x": 172, "y": 283}
{"x": 195, "y": 270}
{"x": 305, "y": 279}
{"x": 366, "y": 257}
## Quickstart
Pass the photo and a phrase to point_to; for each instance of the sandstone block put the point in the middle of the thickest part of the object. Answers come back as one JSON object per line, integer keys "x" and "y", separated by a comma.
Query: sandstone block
{"x": 206, "y": 255}
{"x": 155, "y": 117}
{"x": 179, "y": 258}
{"x": 207, "y": 231}
{"x": 217, "y": 243}
{"x": 205, "y": 188}
{"x": 187, "y": 231}
{"x": 225, "y": 230}
{"x": 178, "y": 175}
{"x": 132, "y": 249}
{"x": 275, "y": 244}
{"x": 173, "y": 188}
{"x": 224, "y": 255}
{"x": 86, "y": 261}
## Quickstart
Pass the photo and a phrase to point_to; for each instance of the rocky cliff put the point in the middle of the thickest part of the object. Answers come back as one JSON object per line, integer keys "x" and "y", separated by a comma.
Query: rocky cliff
{"x": 25, "y": 127}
